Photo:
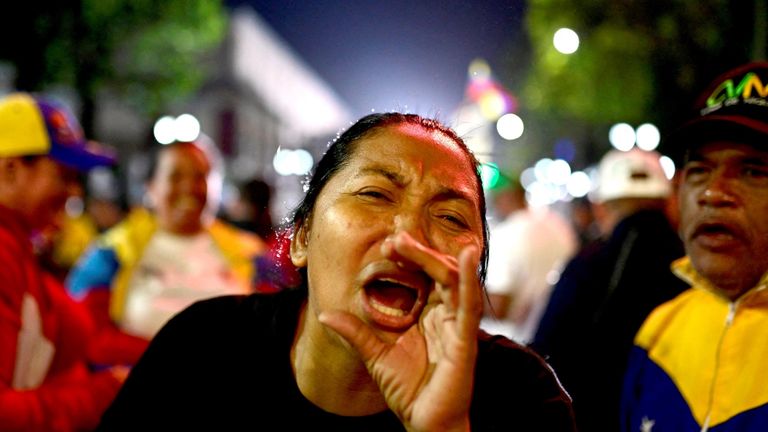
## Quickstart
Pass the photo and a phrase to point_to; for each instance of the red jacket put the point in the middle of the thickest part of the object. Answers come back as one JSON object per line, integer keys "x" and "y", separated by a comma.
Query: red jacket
{"x": 45, "y": 384}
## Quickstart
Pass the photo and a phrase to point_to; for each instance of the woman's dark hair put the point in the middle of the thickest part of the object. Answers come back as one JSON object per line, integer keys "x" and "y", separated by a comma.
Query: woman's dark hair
{"x": 342, "y": 149}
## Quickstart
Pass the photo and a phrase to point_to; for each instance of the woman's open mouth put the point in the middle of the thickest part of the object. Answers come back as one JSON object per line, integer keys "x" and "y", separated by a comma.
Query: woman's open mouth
{"x": 391, "y": 298}
{"x": 394, "y": 299}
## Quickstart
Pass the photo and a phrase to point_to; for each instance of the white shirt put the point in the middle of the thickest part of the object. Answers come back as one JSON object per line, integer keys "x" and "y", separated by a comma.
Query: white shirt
{"x": 174, "y": 272}
{"x": 527, "y": 251}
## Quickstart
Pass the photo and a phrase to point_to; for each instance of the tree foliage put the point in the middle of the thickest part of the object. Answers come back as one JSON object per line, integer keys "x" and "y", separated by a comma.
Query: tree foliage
{"x": 638, "y": 61}
{"x": 146, "y": 50}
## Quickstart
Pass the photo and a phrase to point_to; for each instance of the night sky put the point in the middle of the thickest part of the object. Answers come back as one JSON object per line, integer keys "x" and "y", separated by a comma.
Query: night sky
{"x": 395, "y": 54}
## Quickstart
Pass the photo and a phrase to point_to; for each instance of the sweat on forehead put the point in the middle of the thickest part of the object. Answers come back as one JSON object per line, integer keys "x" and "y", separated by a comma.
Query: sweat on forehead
{"x": 419, "y": 134}
{"x": 419, "y": 131}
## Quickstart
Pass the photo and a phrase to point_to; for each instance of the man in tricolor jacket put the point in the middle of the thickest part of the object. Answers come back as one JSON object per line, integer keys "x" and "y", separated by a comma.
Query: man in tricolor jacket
{"x": 700, "y": 360}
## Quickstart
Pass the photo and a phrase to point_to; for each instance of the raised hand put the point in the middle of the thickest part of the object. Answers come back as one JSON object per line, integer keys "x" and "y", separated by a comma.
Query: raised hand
{"x": 426, "y": 375}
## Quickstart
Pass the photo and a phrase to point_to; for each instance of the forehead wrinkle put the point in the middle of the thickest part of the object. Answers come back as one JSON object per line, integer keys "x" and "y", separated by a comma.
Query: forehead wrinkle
{"x": 444, "y": 193}
{"x": 381, "y": 171}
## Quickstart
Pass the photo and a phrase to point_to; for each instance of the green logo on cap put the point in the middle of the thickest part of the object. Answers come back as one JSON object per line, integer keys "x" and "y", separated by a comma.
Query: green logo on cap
{"x": 729, "y": 94}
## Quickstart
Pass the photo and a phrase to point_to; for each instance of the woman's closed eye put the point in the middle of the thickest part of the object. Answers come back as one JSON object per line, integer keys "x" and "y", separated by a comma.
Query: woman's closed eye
{"x": 374, "y": 194}
{"x": 454, "y": 220}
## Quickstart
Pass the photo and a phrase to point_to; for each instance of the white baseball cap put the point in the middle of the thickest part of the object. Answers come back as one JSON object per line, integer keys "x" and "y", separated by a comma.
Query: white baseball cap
{"x": 631, "y": 174}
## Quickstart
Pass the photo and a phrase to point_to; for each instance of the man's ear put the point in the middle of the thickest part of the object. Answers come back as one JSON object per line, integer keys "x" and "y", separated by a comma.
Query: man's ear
{"x": 8, "y": 169}
{"x": 299, "y": 245}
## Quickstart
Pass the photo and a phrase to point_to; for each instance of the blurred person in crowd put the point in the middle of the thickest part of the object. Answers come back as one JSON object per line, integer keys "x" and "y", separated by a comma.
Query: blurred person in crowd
{"x": 44, "y": 380}
{"x": 161, "y": 259}
{"x": 250, "y": 208}
{"x": 383, "y": 335}
{"x": 528, "y": 248}
{"x": 584, "y": 221}
{"x": 699, "y": 359}
{"x": 97, "y": 207}
{"x": 606, "y": 290}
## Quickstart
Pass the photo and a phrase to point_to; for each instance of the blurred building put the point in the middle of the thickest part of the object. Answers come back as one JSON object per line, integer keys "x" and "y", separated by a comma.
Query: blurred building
{"x": 260, "y": 97}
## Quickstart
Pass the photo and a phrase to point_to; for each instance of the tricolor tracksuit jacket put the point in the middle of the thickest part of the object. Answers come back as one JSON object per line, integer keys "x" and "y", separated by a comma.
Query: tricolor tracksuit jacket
{"x": 700, "y": 362}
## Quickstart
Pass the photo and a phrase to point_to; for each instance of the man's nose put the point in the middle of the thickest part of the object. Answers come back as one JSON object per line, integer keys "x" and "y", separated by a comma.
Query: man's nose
{"x": 718, "y": 192}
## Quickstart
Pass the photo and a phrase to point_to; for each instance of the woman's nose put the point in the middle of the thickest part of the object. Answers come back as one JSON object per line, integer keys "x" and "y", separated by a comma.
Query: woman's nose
{"x": 411, "y": 222}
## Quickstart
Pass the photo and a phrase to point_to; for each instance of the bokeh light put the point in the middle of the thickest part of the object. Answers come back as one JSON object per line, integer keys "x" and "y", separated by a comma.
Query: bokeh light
{"x": 648, "y": 136}
{"x": 566, "y": 41}
{"x": 489, "y": 174}
{"x": 668, "y": 165}
{"x": 622, "y": 136}
{"x": 541, "y": 167}
{"x": 187, "y": 128}
{"x": 165, "y": 130}
{"x": 565, "y": 149}
{"x": 558, "y": 172}
{"x": 527, "y": 177}
{"x": 510, "y": 126}
{"x": 579, "y": 184}
{"x": 292, "y": 162}
{"x": 479, "y": 70}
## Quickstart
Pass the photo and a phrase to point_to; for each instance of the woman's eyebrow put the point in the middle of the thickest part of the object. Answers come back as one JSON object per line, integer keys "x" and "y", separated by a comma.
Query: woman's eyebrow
{"x": 446, "y": 194}
{"x": 384, "y": 172}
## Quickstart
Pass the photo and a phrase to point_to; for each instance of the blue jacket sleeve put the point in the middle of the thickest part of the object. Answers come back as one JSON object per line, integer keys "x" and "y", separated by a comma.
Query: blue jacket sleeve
{"x": 95, "y": 270}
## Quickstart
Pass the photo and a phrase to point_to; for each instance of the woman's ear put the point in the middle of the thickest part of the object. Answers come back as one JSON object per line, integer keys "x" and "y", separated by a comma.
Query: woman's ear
{"x": 299, "y": 245}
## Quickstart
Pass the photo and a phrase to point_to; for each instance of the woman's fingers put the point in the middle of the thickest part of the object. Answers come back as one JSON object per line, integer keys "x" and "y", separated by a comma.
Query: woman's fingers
{"x": 355, "y": 332}
{"x": 470, "y": 308}
{"x": 442, "y": 268}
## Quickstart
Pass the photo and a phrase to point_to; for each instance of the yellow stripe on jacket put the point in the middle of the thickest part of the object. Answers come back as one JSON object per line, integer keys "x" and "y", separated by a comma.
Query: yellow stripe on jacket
{"x": 713, "y": 357}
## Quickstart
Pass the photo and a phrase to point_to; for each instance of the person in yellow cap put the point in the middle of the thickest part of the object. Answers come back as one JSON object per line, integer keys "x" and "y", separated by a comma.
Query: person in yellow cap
{"x": 44, "y": 381}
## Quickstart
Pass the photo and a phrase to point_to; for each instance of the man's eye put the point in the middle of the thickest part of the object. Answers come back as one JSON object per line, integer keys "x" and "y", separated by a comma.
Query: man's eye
{"x": 756, "y": 173}
{"x": 695, "y": 172}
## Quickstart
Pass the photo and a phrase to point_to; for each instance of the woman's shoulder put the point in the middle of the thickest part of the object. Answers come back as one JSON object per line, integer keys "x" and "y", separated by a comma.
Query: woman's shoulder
{"x": 516, "y": 370}
{"x": 499, "y": 351}
{"x": 253, "y": 305}
{"x": 234, "y": 314}
{"x": 514, "y": 383}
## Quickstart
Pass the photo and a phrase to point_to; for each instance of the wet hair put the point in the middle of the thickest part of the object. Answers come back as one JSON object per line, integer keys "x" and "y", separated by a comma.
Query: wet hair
{"x": 343, "y": 148}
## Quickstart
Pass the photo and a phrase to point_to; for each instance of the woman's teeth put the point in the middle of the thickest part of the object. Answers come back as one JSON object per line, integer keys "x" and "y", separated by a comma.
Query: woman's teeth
{"x": 387, "y": 310}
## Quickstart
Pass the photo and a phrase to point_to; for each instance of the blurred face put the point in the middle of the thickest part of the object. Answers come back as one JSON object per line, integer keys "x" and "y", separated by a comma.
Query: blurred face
{"x": 42, "y": 188}
{"x": 178, "y": 189}
{"x": 723, "y": 200}
{"x": 399, "y": 178}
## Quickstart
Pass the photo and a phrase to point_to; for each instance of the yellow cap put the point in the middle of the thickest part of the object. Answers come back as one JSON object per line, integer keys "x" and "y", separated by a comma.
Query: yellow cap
{"x": 22, "y": 128}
